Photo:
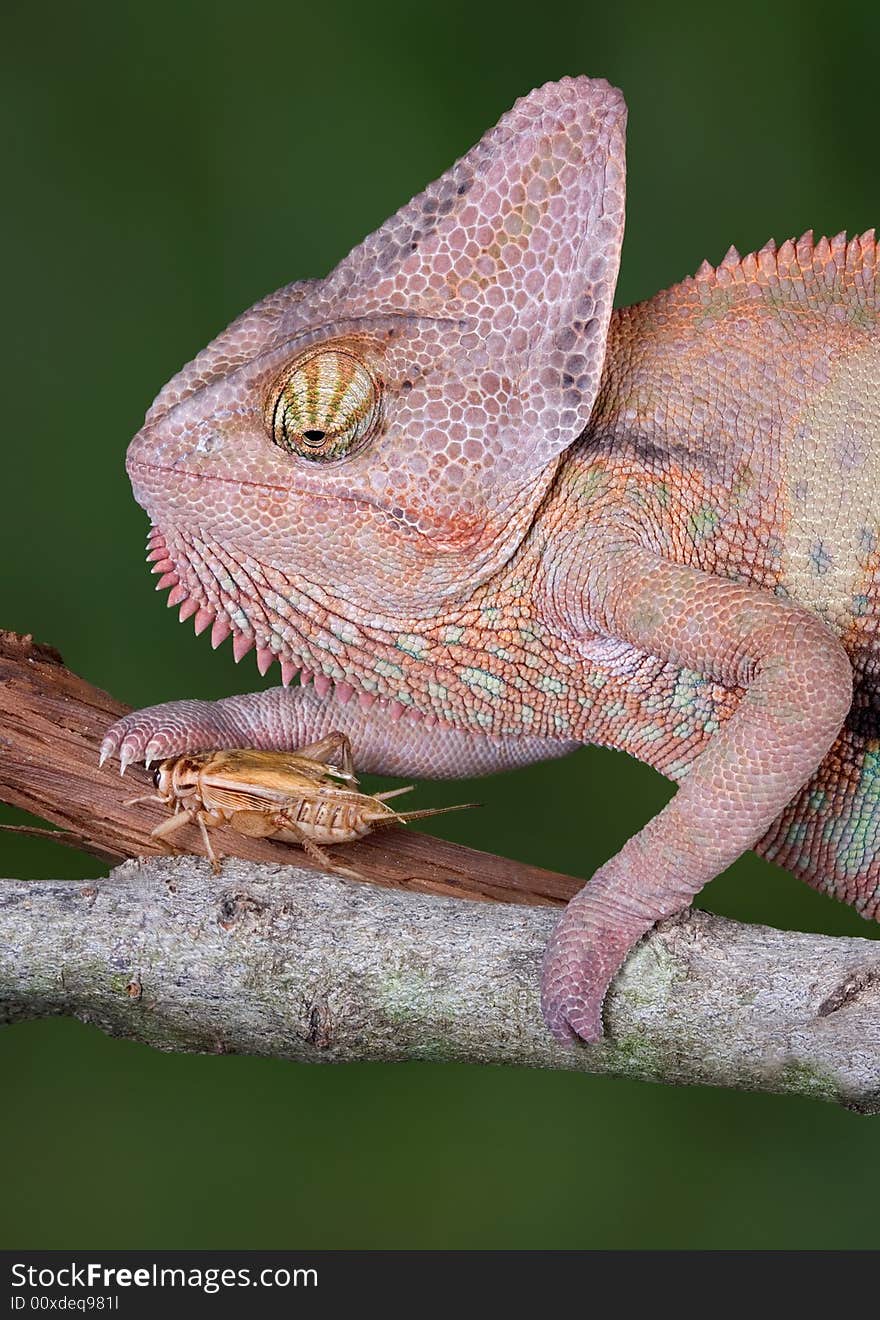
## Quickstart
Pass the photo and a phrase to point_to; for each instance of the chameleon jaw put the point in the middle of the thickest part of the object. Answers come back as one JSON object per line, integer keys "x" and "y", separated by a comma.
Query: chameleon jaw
{"x": 205, "y": 616}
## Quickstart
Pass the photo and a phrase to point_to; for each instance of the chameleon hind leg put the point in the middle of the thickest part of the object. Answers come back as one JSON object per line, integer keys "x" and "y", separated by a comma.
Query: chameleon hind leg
{"x": 829, "y": 835}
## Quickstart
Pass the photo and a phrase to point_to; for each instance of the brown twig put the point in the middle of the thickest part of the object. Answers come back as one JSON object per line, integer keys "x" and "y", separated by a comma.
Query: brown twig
{"x": 51, "y": 726}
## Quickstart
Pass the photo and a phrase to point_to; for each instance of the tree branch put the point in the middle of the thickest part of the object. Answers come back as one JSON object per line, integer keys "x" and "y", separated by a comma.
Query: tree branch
{"x": 282, "y": 960}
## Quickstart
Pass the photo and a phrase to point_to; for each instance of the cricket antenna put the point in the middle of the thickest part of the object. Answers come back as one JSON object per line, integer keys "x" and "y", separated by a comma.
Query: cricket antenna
{"x": 407, "y": 816}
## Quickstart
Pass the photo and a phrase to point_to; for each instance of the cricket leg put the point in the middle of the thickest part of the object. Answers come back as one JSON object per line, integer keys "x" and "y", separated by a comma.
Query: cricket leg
{"x": 326, "y": 748}
{"x": 254, "y": 824}
{"x": 214, "y": 819}
{"x": 313, "y": 850}
{"x": 182, "y": 818}
{"x": 173, "y": 824}
{"x": 148, "y": 797}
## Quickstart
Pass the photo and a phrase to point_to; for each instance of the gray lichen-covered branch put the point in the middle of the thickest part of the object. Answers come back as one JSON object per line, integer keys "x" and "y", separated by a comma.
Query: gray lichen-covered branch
{"x": 284, "y": 961}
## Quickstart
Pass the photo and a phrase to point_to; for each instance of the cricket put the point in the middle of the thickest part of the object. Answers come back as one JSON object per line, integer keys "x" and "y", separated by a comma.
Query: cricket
{"x": 309, "y": 796}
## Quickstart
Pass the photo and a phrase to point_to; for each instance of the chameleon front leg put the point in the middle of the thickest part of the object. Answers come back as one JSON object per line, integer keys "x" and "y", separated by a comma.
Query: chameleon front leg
{"x": 286, "y": 719}
{"x": 798, "y": 689}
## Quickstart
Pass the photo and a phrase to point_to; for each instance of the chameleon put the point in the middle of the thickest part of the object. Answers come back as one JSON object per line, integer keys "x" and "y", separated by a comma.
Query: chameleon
{"x": 486, "y": 518}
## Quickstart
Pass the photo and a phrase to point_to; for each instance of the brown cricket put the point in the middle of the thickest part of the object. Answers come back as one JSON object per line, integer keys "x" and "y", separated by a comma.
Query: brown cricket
{"x": 308, "y": 796}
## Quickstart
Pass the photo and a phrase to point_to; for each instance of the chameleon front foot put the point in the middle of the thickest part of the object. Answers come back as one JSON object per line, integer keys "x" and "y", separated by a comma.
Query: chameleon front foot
{"x": 595, "y": 935}
{"x": 170, "y": 729}
{"x": 579, "y": 965}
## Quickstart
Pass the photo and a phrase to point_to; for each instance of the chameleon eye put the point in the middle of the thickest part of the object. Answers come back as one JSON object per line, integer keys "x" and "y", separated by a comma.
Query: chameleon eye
{"x": 325, "y": 406}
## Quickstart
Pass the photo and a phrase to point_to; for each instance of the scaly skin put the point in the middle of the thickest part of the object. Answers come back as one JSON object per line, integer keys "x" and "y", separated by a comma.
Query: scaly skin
{"x": 485, "y": 520}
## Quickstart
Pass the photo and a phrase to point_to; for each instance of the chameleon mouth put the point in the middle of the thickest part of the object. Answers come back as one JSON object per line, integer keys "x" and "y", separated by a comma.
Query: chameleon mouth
{"x": 244, "y": 640}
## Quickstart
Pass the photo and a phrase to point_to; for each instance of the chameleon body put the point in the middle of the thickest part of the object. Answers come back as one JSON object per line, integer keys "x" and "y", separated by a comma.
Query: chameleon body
{"x": 487, "y": 519}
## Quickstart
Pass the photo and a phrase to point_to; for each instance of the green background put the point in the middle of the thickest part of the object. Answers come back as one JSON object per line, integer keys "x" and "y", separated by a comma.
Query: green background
{"x": 164, "y": 166}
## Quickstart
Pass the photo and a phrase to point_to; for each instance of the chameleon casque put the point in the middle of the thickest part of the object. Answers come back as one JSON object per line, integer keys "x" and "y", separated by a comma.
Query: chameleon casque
{"x": 487, "y": 519}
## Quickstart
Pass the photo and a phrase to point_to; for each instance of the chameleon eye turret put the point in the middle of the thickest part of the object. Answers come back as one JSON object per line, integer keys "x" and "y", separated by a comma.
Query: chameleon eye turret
{"x": 325, "y": 406}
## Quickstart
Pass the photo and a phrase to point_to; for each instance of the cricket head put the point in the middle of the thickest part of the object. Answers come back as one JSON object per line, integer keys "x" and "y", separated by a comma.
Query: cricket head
{"x": 178, "y": 778}
{"x": 374, "y": 446}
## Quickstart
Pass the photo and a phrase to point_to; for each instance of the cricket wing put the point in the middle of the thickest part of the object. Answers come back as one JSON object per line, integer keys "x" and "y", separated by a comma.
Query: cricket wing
{"x": 259, "y": 766}
{"x": 244, "y": 779}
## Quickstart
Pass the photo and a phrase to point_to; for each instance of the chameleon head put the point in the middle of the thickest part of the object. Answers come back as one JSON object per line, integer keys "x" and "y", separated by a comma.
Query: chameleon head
{"x": 375, "y": 445}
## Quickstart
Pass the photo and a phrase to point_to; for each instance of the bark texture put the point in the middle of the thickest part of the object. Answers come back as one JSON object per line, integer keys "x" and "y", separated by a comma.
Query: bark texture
{"x": 292, "y": 963}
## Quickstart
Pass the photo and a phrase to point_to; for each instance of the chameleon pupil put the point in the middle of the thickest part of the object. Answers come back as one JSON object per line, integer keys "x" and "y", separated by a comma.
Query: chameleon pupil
{"x": 325, "y": 405}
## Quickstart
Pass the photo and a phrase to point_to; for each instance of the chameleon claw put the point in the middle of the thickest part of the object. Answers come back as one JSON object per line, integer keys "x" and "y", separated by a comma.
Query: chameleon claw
{"x": 152, "y": 752}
